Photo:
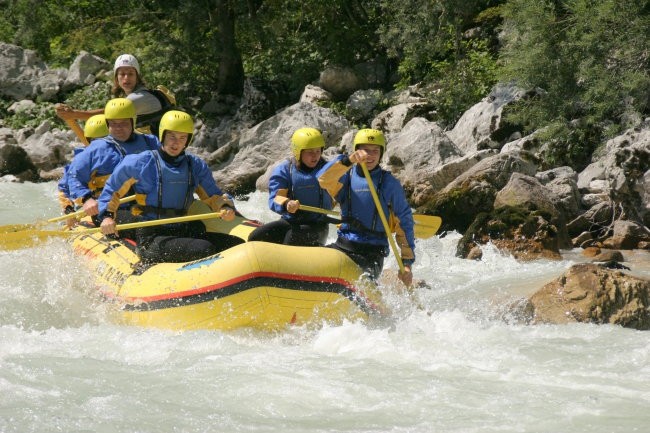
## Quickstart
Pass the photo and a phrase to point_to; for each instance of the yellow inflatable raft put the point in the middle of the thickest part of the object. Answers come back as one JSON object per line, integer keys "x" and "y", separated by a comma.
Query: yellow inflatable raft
{"x": 255, "y": 284}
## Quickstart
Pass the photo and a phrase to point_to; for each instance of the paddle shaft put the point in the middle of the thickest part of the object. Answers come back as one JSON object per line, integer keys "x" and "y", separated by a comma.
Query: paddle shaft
{"x": 151, "y": 223}
{"x": 74, "y": 126}
{"x": 319, "y": 210}
{"x": 28, "y": 238}
{"x": 81, "y": 213}
{"x": 425, "y": 225}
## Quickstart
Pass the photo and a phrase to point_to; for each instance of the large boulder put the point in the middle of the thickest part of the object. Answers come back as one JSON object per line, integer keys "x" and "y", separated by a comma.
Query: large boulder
{"x": 482, "y": 126}
{"x": 49, "y": 148}
{"x": 627, "y": 235}
{"x": 562, "y": 182}
{"x": 315, "y": 95}
{"x": 268, "y": 142}
{"x": 15, "y": 161}
{"x": 621, "y": 171}
{"x": 433, "y": 179}
{"x": 590, "y": 293}
{"x": 23, "y": 75}
{"x": 473, "y": 192}
{"x": 524, "y": 223}
{"x": 341, "y": 82}
{"x": 418, "y": 148}
{"x": 393, "y": 119}
{"x": 84, "y": 68}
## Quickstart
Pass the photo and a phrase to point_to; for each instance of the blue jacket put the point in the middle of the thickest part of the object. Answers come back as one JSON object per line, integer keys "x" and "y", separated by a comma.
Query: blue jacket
{"x": 164, "y": 186}
{"x": 62, "y": 186}
{"x": 289, "y": 182}
{"x": 361, "y": 221}
{"x": 91, "y": 168}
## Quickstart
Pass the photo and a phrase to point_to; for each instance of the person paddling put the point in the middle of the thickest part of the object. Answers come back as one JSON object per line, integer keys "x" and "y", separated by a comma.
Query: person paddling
{"x": 91, "y": 168}
{"x": 361, "y": 235}
{"x": 164, "y": 181}
{"x": 293, "y": 183}
{"x": 95, "y": 127}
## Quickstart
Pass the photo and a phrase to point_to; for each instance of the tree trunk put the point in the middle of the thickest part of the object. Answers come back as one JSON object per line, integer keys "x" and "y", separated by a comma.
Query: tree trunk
{"x": 231, "y": 68}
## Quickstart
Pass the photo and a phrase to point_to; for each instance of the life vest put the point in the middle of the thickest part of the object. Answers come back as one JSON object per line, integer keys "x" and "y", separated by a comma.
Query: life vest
{"x": 150, "y": 123}
{"x": 303, "y": 186}
{"x": 90, "y": 169}
{"x": 175, "y": 190}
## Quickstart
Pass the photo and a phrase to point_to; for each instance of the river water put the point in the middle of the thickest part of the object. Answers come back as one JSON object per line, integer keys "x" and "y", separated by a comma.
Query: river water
{"x": 459, "y": 363}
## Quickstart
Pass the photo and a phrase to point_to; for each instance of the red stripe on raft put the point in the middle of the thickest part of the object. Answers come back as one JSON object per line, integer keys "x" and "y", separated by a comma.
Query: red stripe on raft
{"x": 233, "y": 281}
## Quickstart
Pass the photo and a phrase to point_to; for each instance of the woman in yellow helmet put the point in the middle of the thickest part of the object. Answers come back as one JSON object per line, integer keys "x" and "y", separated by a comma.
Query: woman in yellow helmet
{"x": 291, "y": 184}
{"x": 165, "y": 181}
{"x": 95, "y": 127}
{"x": 361, "y": 235}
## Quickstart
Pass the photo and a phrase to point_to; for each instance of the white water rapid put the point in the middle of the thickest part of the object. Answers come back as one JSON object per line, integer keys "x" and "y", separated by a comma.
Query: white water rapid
{"x": 467, "y": 366}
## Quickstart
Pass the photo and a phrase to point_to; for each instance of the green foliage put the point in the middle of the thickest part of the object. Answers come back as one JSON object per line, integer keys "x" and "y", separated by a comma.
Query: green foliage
{"x": 463, "y": 83}
{"x": 6, "y": 29}
{"x": 589, "y": 58}
{"x": 435, "y": 43}
{"x": 90, "y": 97}
{"x": 569, "y": 144}
{"x": 339, "y": 107}
{"x": 291, "y": 42}
{"x": 31, "y": 117}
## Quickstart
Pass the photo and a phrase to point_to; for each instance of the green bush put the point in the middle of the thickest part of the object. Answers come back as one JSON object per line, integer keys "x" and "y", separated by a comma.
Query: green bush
{"x": 31, "y": 117}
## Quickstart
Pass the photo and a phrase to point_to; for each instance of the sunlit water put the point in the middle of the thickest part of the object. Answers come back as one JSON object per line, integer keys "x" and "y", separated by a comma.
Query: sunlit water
{"x": 452, "y": 361}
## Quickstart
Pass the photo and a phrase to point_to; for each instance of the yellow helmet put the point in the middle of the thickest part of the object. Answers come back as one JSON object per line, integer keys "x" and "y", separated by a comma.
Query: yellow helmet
{"x": 95, "y": 127}
{"x": 178, "y": 121}
{"x": 306, "y": 138}
{"x": 370, "y": 136}
{"x": 120, "y": 108}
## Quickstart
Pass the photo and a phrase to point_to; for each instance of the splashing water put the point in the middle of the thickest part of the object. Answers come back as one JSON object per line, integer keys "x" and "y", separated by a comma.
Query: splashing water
{"x": 452, "y": 360}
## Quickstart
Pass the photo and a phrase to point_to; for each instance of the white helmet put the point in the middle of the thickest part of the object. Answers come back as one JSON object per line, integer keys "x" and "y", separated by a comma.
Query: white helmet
{"x": 126, "y": 60}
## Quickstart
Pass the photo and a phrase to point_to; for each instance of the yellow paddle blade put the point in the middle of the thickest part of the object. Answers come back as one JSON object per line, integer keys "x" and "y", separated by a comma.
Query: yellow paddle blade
{"x": 38, "y": 224}
{"x": 21, "y": 227}
{"x": 426, "y": 225}
{"x": 31, "y": 238}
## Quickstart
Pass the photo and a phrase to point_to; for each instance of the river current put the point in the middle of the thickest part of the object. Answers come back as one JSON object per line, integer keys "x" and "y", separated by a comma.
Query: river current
{"x": 454, "y": 361}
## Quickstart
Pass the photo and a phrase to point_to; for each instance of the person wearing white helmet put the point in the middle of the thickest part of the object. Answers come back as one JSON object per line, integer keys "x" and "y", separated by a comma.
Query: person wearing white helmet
{"x": 150, "y": 105}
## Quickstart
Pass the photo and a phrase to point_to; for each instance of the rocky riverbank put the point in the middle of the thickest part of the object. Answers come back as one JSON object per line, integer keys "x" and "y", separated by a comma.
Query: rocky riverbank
{"x": 482, "y": 176}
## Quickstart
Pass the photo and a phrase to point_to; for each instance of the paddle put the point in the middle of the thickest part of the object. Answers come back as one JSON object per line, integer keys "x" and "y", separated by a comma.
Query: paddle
{"x": 34, "y": 226}
{"x": 71, "y": 122}
{"x": 382, "y": 216}
{"x": 425, "y": 225}
{"x": 28, "y": 238}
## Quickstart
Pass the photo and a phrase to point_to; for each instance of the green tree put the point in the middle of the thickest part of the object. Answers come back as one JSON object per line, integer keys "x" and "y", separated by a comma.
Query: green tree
{"x": 589, "y": 59}
{"x": 290, "y": 41}
{"x": 449, "y": 43}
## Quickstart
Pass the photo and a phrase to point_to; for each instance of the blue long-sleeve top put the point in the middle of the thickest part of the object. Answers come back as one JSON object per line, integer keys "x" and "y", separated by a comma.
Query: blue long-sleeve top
{"x": 288, "y": 181}
{"x": 361, "y": 221}
{"x": 91, "y": 168}
{"x": 64, "y": 190}
{"x": 162, "y": 184}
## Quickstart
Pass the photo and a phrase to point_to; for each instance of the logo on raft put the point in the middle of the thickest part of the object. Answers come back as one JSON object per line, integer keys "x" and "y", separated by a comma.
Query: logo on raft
{"x": 198, "y": 263}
